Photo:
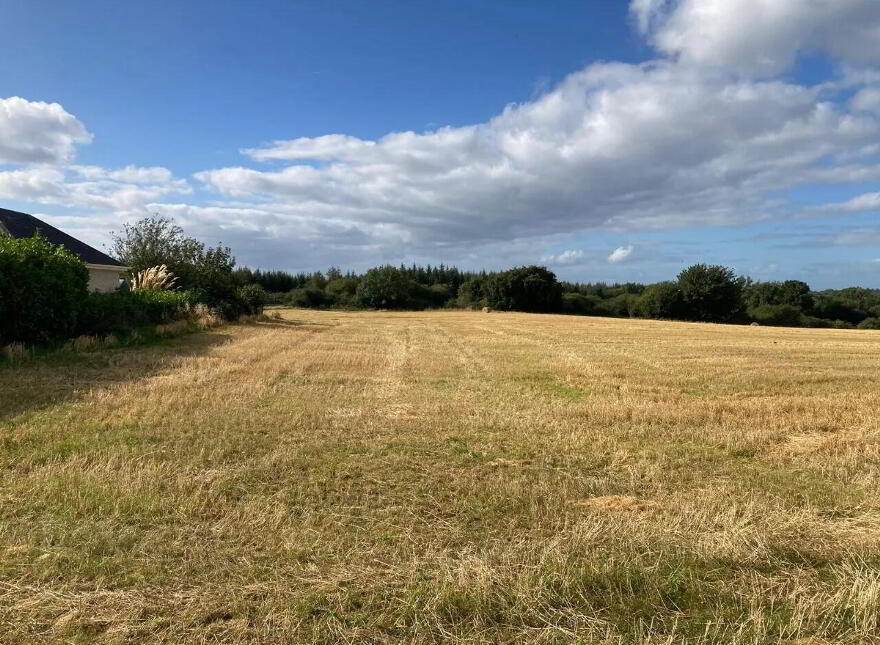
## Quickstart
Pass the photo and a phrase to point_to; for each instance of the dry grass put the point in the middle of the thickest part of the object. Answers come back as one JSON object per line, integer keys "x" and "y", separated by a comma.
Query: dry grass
{"x": 445, "y": 477}
{"x": 16, "y": 353}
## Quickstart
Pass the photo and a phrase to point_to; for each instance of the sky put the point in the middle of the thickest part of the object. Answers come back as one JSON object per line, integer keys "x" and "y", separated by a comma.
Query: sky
{"x": 609, "y": 141}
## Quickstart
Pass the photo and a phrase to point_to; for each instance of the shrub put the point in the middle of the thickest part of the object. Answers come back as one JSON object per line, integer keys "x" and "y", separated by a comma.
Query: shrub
{"x": 870, "y": 323}
{"x": 816, "y": 323}
{"x": 791, "y": 292}
{"x": 471, "y": 293}
{"x": 155, "y": 241}
{"x": 42, "y": 288}
{"x": 120, "y": 311}
{"x": 661, "y": 300}
{"x": 580, "y": 304}
{"x": 842, "y": 324}
{"x": 777, "y": 315}
{"x": 308, "y": 297}
{"x": 275, "y": 298}
{"x": 342, "y": 290}
{"x": 623, "y": 305}
{"x": 254, "y": 298}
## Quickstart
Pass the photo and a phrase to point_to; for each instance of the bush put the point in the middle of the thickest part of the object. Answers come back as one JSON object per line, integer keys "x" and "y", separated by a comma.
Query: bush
{"x": 579, "y": 304}
{"x": 870, "y": 323}
{"x": 471, "y": 293}
{"x": 123, "y": 311}
{"x": 623, "y": 305}
{"x": 791, "y": 292}
{"x": 276, "y": 298}
{"x": 836, "y": 306}
{"x": 777, "y": 315}
{"x": 661, "y": 300}
{"x": 816, "y": 323}
{"x": 42, "y": 289}
{"x": 308, "y": 297}
{"x": 156, "y": 240}
{"x": 254, "y": 298}
{"x": 343, "y": 290}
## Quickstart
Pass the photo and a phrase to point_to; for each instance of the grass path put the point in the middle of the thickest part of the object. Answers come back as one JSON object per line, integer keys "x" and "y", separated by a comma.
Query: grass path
{"x": 446, "y": 477}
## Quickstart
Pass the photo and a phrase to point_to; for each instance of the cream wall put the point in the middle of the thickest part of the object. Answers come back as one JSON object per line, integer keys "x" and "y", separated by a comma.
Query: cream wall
{"x": 103, "y": 278}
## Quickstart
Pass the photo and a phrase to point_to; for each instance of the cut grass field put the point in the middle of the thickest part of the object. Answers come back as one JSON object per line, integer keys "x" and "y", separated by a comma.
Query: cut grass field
{"x": 446, "y": 477}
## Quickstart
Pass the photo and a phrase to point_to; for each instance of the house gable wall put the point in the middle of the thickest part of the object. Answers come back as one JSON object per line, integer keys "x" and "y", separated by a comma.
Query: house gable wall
{"x": 103, "y": 279}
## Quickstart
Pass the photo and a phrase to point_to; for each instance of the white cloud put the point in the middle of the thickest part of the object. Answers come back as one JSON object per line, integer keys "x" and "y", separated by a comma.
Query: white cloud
{"x": 330, "y": 146}
{"x": 710, "y": 135}
{"x": 125, "y": 191}
{"x": 620, "y": 254}
{"x": 37, "y": 132}
{"x": 624, "y": 146}
{"x": 761, "y": 37}
{"x": 570, "y": 256}
{"x": 647, "y": 12}
{"x": 860, "y": 203}
{"x": 867, "y": 100}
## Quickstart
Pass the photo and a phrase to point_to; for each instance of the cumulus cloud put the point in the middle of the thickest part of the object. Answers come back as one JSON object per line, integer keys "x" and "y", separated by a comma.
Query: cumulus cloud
{"x": 709, "y": 134}
{"x": 38, "y": 132}
{"x": 620, "y": 254}
{"x": 570, "y": 256}
{"x": 867, "y": 100}
{"x": 126, "y": 191}
{"x": 626, "y": 146}
{"x": 761, "y": 37}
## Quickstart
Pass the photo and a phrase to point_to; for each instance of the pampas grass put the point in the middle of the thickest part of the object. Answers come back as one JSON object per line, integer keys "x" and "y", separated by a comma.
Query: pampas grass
{"x": 157, "y": 277}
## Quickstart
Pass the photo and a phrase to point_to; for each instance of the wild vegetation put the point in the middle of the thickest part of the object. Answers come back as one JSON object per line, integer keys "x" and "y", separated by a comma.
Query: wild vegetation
{"x": 446, "y": 477}
{"x": 699, "y": 293}
{"x": 44, "y": 296}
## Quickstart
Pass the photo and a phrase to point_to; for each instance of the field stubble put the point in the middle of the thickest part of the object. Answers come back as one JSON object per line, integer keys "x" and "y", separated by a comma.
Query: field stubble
{"x": 448, "y": 477}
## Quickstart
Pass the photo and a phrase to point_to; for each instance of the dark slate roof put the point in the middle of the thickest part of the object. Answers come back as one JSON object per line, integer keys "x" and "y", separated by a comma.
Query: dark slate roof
{"x": 21, "y": 225}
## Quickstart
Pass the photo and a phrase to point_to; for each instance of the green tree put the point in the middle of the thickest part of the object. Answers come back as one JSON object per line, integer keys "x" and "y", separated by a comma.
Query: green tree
{"x": 793, "y": 293}
{"x": 385, "y": 287}
{"x": 778, "y": 315}
{"x": 580, "y": 304}
{"x": 471, "y": 293}
{"x": 342, "y": 290}
{"x": 527, "y": 288}
{"x": 661, "y": 300}
{"x": 710, "y": 293}
{"x": 158, "y": 240}
{"x": 253, "y": 297}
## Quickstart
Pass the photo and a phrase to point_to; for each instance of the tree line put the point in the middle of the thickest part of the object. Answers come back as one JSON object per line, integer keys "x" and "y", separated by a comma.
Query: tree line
{"x": 702, "y": 292}
{"x": 707, "y": 293}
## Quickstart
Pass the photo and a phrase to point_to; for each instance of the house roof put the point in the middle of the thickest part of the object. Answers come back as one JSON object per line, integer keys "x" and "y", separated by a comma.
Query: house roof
{"x": 22, "y": 225}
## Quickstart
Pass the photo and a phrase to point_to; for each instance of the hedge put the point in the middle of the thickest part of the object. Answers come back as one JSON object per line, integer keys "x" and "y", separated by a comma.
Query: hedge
{"x": 120, "y": 311}
{"x": 42, "y": 289}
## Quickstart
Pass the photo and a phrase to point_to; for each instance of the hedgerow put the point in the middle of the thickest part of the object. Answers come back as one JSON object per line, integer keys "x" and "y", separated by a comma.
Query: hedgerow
{"x": 42, "y": 290}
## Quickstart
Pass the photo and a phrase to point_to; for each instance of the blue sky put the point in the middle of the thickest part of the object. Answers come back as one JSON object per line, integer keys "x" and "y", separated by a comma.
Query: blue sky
{"x": 609, "y": 141}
